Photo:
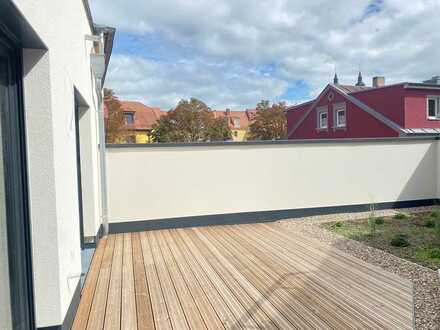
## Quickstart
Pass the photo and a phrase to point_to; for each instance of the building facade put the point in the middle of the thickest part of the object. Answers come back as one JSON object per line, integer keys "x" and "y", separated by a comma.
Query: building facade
{"x": 238, "y": 121}
{"x": 139, "y": 120}
{"x": 345, "y": 111}
{"x": 53, "y": 61}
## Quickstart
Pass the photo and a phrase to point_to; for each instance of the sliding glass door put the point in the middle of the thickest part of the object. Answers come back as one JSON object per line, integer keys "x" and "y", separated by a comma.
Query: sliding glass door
{"x": 5, "y": 292}
{"x": 16, "y": 292}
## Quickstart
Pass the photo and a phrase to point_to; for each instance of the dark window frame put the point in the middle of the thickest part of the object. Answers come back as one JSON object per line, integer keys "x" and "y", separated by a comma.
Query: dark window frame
{"x": 130, "y": 115}
{"x": 16, "y": 188}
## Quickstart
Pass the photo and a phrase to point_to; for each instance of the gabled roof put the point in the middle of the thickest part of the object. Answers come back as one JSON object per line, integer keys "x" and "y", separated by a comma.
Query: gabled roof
{"x": 246, "y": 117}
{"x": 145, "y": 117}
{"x": 342, "y": 90}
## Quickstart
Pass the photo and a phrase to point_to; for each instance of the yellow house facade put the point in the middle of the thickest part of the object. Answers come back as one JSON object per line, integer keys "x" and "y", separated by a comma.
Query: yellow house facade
{"x": 238, "y": 121}
{"x": 139, "y": 120}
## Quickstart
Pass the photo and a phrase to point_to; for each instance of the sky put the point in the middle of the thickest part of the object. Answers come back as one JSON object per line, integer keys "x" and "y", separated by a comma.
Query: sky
{"x": 235, "y": 53}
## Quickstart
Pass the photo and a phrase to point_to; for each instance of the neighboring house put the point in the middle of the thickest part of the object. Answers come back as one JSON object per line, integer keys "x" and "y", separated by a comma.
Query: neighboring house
{"x": 53, "y": 62}
{"x": 139, "y": 120}
{"x": 345, "y": 111}
{"x": 238, "y": 121}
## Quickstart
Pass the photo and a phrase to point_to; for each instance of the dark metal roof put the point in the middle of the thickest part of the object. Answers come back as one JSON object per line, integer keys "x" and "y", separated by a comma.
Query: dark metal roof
{"x": 352, "y": 89}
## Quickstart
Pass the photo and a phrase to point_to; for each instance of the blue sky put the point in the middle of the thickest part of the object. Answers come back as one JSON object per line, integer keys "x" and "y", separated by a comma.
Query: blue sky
{"x": 235, "y": 53}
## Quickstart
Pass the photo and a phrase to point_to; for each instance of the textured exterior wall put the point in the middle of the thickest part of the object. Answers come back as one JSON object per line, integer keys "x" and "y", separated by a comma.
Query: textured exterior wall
{"x": 360, "y": 124}
{"x": 49, "y": 80}
{"x": 416, "y": 109}
{"x": 389, "y": 101}
{"x": 192, "y": 181}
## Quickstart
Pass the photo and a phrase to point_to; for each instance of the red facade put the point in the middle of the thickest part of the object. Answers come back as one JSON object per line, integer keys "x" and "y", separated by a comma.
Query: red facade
{"x": 389, "y": 111}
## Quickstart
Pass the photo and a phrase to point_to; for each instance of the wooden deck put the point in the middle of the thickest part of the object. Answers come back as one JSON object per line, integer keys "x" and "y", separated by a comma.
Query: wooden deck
{"x": 236, "y": 277}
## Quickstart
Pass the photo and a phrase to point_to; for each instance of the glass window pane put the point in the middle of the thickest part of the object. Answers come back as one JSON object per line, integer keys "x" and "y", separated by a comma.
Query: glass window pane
{"x": 432, "y": 104}
{"x": 341, "y": 118}
{"x": 323, "y": 120}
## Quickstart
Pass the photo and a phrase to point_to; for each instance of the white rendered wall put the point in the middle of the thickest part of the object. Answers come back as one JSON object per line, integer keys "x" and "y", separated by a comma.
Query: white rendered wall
{"x": 156, "y": 183}
{"x": 49, "y": 80}
{"x": 89, "y": 172}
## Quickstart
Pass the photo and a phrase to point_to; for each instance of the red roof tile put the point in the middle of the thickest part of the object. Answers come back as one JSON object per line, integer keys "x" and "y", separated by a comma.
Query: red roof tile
{"x": 245, "y": 117}
{"x": 144, "y": 116}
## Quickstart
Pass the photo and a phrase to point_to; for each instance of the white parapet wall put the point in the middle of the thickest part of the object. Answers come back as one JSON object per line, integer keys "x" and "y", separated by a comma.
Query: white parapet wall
{"x": 151, "y": 183}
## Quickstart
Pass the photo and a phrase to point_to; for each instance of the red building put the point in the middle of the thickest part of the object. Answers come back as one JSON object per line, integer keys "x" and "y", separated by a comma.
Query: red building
{"x": 345, "y": 111}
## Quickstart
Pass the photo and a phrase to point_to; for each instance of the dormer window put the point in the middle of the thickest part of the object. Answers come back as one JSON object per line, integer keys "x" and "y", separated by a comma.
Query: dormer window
{"x": 236, "y": 122}
{"x": 433, "y": 107}
{"x": 129, "y": 118}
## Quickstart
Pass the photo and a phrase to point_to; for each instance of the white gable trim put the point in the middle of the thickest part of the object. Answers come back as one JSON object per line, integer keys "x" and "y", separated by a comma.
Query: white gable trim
{"x": 380, "y": 117}
{"x": 310, "y": 109}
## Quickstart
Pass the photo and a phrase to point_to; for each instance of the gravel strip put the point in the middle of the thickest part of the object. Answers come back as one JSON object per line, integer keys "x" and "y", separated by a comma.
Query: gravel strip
{"x": 425, "y": 281}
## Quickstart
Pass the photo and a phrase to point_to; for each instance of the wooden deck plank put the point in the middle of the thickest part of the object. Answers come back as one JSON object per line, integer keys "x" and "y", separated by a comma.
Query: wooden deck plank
{"x": 323, "y": 296}
{"x": 206, "y": 309}
{"x": 267, "y": 280}
{"x": 195, "y": 320}
{"x": 128, "y": 310}
{"x": 83, "y": 311}
{"x": 233, "y": 277}
{"x": 355, "y": 304}
{"x": 177, "y": 316}
{"x": 158, "y": 304}
{"x": 113, "y": 310}
{"x": 290, "y": 286}
{"x": 349, "y": 264}
{"x": 225, "y": 314}
{"x": 144, "y": 312}
{"x": 97, "y": 312}
{"x": 277, "y": 320}
{"x": 243, "y": 316}
{"x": 367, "y": 286}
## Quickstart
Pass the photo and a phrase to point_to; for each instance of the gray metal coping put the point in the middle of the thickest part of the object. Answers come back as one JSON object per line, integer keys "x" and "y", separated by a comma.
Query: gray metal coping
{"x": 274, "y": 143}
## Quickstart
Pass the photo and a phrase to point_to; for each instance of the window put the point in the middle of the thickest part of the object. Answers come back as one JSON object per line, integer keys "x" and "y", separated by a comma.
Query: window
{"x": 236, "y": 122}
{"x": 339, "y": 115}
{"x": 322, "y": 119}
{"x": 433, "y": 107}
{"x": 129, "y": 118}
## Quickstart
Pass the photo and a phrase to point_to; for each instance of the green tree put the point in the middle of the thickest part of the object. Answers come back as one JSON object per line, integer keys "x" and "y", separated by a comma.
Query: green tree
{"x": 115, "y": 130}
{"x": 191, "y": 121}
{"x": 270, "y": 122}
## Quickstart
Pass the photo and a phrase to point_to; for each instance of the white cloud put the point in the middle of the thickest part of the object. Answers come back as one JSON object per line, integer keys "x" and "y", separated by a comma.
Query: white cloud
{"x": 161, "y": 84}
{"x": 306, "y": 39}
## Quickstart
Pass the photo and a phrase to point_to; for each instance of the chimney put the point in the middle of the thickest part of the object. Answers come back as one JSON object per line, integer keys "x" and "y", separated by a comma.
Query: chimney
{"x": 433, "y": 81}
{"x": 378, "y": 81}
{"x": 228, "y": 112}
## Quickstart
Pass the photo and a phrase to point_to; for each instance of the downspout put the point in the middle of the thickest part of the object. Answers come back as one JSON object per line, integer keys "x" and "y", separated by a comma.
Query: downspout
{"x": 98, "y": 68}
{"x": 102, "y": 158}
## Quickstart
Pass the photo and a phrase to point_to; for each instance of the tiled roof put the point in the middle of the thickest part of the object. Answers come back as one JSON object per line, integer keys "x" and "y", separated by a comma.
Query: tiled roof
{"x": 246, "y": 117}
{"x": 144, "y": 116}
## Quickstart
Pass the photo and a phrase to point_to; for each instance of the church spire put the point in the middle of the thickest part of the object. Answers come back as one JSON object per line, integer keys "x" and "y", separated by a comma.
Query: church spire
{"x": 336, "y": 79}
{"x": 360, "y": 82}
